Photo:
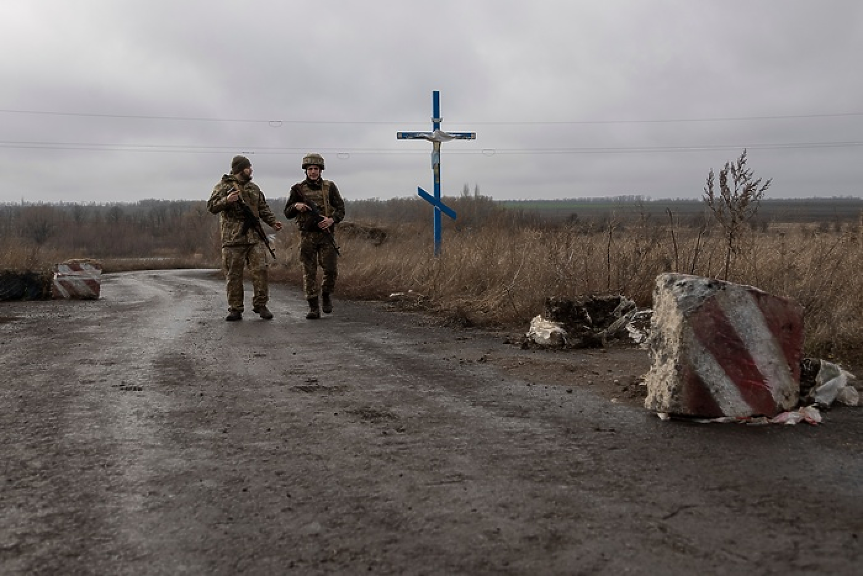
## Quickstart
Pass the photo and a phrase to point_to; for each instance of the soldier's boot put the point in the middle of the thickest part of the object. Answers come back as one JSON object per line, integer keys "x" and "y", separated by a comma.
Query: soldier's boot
{"x": 327, "y": 304}
{"x": 314, "y": 312}
{"x": 234, "y": 315}
{"x": 264, "y": 312}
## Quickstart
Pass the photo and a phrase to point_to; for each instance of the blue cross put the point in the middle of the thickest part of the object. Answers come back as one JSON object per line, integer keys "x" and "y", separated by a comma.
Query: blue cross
{"x": 436, "y": 136}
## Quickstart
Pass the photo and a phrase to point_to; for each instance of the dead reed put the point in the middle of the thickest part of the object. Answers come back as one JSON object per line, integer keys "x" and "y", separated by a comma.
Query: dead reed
{"x": 499, "y": 275}
{"x": 496, "y": 270}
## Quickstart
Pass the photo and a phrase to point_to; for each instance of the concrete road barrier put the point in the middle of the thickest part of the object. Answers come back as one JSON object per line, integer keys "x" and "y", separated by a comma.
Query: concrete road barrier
{"x": 77, "y": 279}
{"x": 722, "y": 349}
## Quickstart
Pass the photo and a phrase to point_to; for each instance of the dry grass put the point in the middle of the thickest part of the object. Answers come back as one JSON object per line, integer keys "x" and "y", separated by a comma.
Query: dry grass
{"x": 174, "y": 262}
{"x": 499, "y": 276}
{"x": 497, "y": 272}
{"x": 17, "y": 257}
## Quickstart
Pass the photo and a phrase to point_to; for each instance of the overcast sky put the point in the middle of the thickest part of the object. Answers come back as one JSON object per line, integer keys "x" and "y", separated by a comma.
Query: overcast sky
{"x": 126, "y": 100}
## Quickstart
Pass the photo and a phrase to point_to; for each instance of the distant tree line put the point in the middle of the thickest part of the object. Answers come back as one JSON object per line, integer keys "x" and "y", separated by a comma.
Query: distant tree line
{"x": 153, "y": 227}
{"x": 803, "y": 210}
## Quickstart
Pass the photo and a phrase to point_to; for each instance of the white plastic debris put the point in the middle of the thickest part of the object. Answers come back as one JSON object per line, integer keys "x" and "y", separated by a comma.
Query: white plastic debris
{"x": 808, "y": 414}
{"x": 546, "y": 333}
{"x": 638, "y": 326}
{"x": 831, "y": 382}
{"x": 848, "y": 396}
{"x": 409, "y": 295}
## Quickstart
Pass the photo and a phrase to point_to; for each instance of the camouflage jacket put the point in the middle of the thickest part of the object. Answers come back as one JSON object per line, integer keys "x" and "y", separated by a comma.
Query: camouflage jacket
{"x": 313, "y": 192}
{"x": 231, "y": 218}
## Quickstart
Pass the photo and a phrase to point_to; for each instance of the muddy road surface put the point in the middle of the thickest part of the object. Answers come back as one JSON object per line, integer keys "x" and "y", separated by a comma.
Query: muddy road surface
{"x": 143, "y": 434}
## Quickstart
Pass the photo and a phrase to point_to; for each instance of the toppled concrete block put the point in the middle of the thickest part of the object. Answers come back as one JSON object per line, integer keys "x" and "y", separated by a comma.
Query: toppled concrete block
{"x": 722, "y": 349}
{"x": 77, "y": 280}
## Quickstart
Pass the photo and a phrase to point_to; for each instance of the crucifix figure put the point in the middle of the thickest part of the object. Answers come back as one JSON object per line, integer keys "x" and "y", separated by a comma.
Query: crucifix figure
{"x": 436, "y": 136}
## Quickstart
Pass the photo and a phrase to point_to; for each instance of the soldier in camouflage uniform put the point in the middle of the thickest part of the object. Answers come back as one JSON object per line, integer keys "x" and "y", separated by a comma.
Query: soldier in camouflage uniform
{"x": 318, "y": 206}
{"x": 240, "y": 248}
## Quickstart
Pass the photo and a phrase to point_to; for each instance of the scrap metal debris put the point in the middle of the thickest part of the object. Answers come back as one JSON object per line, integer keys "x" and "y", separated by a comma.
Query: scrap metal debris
{"x": 589, "y": 322}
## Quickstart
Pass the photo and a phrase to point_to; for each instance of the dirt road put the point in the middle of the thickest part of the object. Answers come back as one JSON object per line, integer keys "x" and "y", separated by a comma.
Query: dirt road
{"x": 143, "y": 434}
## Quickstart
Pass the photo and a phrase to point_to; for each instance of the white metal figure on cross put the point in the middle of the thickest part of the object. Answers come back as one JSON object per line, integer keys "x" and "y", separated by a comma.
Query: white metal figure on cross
{"x": 436, "y": 137}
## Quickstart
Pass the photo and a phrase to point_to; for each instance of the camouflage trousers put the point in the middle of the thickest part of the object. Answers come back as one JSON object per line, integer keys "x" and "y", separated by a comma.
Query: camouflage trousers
{"x": 234, "y": 260}
{"x": 315, "y": 248}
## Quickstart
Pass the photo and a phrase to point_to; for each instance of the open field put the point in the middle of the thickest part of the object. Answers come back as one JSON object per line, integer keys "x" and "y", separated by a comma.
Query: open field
{"x": 816, "y": 211}
{"x": 498, "y": 264}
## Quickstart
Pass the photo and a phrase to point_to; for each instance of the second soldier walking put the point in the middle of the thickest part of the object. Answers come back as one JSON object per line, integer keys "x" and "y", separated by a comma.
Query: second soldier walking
{"x": 318, "y": 206}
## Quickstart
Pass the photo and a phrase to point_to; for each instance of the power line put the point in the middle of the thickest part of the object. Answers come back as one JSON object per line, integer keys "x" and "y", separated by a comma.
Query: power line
{"x": 672, "y": 120}
{"x": 273, "y": 123}
{"x": 279, "y": 123}
{"x": 264, "y": 150}
{"x": 636, "y": 149}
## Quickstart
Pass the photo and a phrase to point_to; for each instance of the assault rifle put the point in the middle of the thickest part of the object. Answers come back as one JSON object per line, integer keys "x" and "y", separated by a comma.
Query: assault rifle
{"x": 311, "y": 224}
{"x": 252, "y": 221}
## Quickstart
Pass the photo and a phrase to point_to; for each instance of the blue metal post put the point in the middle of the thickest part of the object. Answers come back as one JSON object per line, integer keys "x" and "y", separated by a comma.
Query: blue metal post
{"x": 436, "y": 119}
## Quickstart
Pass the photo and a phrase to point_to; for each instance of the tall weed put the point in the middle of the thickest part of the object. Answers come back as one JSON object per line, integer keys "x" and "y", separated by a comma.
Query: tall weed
{"x": 496, "y": 267}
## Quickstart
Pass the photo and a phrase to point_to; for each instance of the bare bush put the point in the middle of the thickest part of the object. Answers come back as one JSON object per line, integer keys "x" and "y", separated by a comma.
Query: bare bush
{"x": 734, "y": 203}
{"x": 498, "y": 271}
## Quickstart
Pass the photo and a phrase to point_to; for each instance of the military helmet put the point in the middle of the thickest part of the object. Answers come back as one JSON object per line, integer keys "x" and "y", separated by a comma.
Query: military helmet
{"x": 313, "y": 159}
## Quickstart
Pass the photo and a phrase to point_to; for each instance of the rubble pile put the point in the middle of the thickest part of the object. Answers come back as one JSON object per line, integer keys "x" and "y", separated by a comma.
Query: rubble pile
{"x": 589, "y": 322}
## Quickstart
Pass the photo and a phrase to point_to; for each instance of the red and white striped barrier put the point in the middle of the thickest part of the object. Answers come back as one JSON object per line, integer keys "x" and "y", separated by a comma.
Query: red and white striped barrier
{"x": 77, "y": 279}
{"x": 722, "y": 349}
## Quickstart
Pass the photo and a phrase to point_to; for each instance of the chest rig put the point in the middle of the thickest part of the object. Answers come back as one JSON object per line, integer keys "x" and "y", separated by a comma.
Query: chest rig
{"x": 320, "y": 197}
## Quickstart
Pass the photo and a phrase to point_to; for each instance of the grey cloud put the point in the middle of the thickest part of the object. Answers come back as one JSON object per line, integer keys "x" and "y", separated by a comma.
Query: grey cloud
{"x": 563, "y": 95}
